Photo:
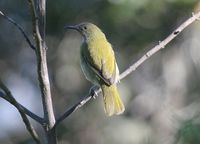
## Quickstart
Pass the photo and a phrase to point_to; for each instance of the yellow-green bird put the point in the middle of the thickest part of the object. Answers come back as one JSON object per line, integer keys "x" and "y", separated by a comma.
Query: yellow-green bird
{"x": 99, "y": 65}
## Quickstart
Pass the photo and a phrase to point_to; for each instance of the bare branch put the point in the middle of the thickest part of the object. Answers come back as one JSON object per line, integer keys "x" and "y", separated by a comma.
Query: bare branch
{"x": 20, "y": 29}
{"x": 43, "y": 77}
{"x": 9, "y": 97}
{"x": 42, "y": 12}
{"x": 26, "y": 111}
{"x": 78, "y": 105}
{"x": 42, "y": 69}
{"x": 32, "y": 115}
{"x": 161, "y": 45}
{"x": 133, "y": 67}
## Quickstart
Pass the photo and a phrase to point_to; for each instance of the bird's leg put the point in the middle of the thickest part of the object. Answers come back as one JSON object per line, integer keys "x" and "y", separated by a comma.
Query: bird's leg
{"x": 93, "y": 91}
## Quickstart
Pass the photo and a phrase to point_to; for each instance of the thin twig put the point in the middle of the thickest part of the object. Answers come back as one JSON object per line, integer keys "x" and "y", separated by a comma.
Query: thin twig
{"x": 9, "y": 97}
{"x": 20, "y": 29}
{"x": 133, "y": 67}
{"x": 26, "y": 111}
{"x": 161, "y": 45}
{"x": 75, "y": 107}
{"x": 32, "y": 115}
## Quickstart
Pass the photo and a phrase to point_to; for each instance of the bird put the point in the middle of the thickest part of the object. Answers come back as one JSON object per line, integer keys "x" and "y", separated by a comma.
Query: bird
{"x": 99, "y": 65}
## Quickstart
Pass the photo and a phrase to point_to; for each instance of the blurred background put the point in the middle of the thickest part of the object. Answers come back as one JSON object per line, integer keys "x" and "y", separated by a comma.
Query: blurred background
{"x": 162, "y": 97}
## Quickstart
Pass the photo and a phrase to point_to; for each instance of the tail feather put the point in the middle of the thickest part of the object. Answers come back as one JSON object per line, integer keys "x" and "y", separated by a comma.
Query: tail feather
{"x": 112, "y": 101}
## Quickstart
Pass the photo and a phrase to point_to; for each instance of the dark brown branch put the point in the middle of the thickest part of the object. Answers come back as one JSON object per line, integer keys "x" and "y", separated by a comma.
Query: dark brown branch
{"x": 133, "y": 67}
{"x": 9, "y": 97}
{"x": 32, "y": 115}
{"x": 20, "y": 29}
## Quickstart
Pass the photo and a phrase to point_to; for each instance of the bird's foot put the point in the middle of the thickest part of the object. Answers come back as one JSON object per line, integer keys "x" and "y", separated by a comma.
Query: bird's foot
{"x": 93, "y": 91}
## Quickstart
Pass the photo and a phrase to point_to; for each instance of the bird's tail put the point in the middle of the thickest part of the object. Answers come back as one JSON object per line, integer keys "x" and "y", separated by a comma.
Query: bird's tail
{"x": 112, "y": 101}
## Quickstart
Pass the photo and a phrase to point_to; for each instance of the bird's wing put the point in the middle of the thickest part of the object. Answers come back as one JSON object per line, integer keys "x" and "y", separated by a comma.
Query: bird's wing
{"x": 100, "y": 71}
{"x": 97, "y": 71}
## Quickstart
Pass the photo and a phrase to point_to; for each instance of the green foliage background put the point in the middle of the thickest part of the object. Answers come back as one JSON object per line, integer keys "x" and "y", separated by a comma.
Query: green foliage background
{"x": 161, "y": 97}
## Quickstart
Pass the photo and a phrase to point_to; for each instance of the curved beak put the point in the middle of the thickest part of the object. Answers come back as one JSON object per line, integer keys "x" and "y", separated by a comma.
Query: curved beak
{"x": 72, "y": 27}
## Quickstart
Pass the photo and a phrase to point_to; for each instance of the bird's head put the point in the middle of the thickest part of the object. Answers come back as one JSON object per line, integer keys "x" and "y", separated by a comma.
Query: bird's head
{"x": 87, "y": 30}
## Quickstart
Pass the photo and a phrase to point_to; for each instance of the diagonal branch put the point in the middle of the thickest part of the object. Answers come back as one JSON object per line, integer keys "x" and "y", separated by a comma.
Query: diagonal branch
{"x": 20, "y": 29}
{"x": 32, "y": 115}
{"x": 161, "y": 44}
{"x": 133, "y": 67}
{"x": 26, "y": 111}
{"x": 9, "y": 97}
{"x": 78, "y": 105}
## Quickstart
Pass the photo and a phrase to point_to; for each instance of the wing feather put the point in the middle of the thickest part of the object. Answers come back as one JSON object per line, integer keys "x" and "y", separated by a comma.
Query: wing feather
{"x": 106, "y": 62}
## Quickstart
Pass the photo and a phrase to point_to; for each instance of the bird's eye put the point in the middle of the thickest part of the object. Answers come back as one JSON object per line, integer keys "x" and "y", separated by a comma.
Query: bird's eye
{"x": 84, "y": 27}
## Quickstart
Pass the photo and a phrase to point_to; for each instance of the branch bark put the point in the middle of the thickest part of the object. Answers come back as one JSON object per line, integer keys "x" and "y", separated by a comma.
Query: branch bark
{"x": 26, "y": 111}
{"x": 39, "y": 26}
{"x": 78, "y": 105}
{"x": 20, "y": 29}
{"x": 161, "y": 44}
{"x": 41, "y": 49}
{"x": 9, "y": 97}
{"x": 134, "y": 66}
{"x": 32, "y": 115}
